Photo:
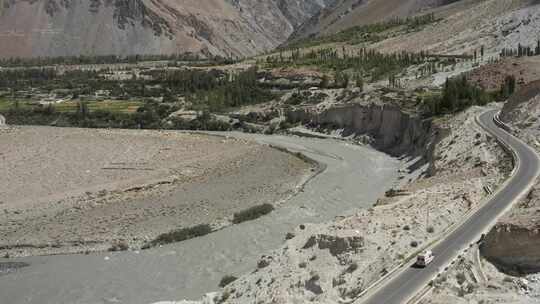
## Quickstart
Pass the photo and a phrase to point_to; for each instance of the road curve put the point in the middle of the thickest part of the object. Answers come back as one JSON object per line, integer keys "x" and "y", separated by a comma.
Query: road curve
{"x": 404, "y": 285}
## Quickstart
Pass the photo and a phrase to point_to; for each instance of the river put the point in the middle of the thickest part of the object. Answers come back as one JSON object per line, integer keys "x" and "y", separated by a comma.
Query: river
{"x": 355, "y": 176}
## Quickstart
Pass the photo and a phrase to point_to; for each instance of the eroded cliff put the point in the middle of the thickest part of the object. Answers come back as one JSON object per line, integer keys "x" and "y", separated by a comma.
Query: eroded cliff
{"x": 387, "y": 126}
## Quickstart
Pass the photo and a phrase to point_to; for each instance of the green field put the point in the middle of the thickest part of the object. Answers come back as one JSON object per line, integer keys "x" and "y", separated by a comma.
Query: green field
{"x": 112, "y": 106}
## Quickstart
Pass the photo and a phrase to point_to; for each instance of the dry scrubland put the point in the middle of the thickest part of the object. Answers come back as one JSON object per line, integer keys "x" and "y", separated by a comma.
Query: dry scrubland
{"x": 76, "y": 190}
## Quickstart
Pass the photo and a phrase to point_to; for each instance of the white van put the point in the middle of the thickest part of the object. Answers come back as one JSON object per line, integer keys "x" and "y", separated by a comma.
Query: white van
{"x": 424, "y": 258}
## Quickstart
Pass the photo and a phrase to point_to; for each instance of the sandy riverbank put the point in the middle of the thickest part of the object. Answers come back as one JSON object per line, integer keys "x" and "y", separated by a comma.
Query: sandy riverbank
{"x": 78, "y": 190}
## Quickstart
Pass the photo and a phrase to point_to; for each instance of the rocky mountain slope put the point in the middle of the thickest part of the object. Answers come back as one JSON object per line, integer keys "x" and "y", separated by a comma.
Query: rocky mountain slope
{"x": 462, "y": 27}
{"x": 96, "y": 27}
{"x": 347, "y": 13}
{"x": 210, "y": 27}
{"x": 469, "y": 25}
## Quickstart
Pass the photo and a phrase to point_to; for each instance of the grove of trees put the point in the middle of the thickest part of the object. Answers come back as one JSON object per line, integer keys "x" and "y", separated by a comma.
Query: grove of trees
{"x": 459, "y": 94}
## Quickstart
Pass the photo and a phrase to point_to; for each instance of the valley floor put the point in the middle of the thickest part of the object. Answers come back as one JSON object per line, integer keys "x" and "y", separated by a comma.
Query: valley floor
{"x": 79, "y": 190}
{"x": 354, "y": 177}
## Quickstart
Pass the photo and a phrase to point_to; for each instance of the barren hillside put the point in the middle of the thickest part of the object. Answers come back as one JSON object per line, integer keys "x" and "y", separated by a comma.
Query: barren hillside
{"x": 347, "y": 13}
{"x": 218, "y": 27}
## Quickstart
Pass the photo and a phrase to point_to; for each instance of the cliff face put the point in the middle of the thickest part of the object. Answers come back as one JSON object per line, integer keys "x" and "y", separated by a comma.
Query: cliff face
{"x": 30, "y": 28}
{"x": 513, "y": 249}
{"x": 390, "y": 129}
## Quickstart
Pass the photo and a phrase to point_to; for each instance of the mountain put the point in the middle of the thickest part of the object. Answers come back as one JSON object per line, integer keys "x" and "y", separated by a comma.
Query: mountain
{"x": 30, "y": 28}
{"x": 347, "y": 13}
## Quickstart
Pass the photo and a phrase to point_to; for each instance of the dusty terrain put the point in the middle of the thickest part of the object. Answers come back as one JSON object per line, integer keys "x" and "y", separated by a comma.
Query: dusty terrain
{"x": 74, "y": 190}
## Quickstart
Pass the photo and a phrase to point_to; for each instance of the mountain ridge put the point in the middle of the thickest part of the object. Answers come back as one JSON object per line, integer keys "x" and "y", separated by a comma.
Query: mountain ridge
{"x": 126, "y": 27}
{"x": 227, "y": 28}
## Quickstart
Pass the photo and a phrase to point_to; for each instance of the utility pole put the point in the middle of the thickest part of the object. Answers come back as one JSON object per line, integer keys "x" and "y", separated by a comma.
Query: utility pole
{"x": 427, "y": 212}
{"x": 427, "y": 219}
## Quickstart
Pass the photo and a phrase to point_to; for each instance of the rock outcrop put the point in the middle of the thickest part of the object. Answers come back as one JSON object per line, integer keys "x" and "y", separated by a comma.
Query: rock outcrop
{"x": 336, "y": 245}
{"x": 513, "y": 249}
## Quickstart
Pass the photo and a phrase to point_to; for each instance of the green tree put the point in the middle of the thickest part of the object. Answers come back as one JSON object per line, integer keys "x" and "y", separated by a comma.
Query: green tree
{"x": 82, "y": 109}
{"x": 359, "y": 81}
{"x": 325, "y": 81}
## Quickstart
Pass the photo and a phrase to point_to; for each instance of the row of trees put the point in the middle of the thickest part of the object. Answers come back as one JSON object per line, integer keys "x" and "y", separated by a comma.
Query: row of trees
{"x": 108, "y": 59}
{"x": 367, "y": 62}
{"x": 521, "y": 51}
{"x": 149, "y": 116}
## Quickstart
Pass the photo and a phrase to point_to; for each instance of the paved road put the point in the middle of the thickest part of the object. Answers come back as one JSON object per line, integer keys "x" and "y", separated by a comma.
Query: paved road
{"x": 407, "y": 283}
{"x": 354, "y": 178}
